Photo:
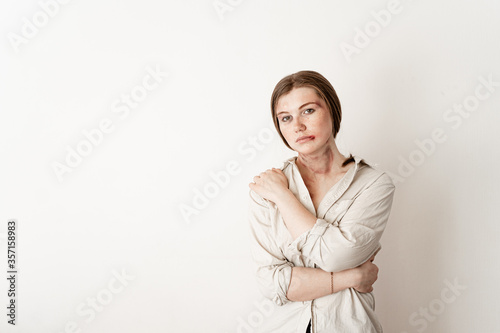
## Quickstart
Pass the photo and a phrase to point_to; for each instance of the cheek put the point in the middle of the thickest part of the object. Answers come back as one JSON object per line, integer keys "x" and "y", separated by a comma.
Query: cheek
{"x": 286, "y": 133}
{"x": 289, "y": 135}
{"x": 325, "y": 126}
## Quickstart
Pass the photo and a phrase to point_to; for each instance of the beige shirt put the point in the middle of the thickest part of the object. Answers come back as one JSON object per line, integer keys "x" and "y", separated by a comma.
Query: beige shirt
{"x": 350, "y": 221}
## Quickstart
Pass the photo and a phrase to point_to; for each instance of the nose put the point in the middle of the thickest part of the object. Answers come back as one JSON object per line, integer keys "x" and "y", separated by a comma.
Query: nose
{"x": 299, "y": 126}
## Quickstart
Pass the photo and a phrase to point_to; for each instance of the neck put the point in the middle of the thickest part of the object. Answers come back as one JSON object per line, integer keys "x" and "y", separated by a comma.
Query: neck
{"x": 324, "y": 162}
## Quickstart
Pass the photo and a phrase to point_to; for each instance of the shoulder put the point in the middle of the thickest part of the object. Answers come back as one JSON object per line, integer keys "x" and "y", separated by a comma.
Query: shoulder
{"x": 372, "y": 175}
{"x": 286, "y": 167}
{"x": 257, "y": 199}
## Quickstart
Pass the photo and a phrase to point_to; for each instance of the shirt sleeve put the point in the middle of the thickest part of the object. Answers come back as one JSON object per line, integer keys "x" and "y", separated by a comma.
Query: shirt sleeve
{"x": 354, "y": 238}
{"x": 274, "y": 271}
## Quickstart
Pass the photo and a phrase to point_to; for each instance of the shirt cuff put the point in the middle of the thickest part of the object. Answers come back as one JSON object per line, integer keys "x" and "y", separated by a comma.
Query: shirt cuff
{"x": 282, "y": 279}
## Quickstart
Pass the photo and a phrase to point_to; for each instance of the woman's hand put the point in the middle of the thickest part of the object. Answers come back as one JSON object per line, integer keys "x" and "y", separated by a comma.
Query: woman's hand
{"x": 366, "y": 276}
{"x": 270, "y": 184}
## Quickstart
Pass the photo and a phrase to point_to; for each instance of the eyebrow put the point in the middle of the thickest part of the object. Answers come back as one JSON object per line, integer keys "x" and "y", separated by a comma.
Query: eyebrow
{"x": 299, "y": 107}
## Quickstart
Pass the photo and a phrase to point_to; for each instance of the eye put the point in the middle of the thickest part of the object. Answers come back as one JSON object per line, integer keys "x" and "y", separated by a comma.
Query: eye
{"x": 309, "y": 111}
{"x": 285, "y": 118}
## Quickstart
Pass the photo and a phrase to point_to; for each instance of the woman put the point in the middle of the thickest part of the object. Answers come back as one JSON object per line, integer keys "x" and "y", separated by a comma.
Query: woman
{"x": 316, "y": 222}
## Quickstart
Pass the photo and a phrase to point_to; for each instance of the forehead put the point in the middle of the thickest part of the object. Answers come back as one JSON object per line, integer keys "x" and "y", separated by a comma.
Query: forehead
{"x": 298, "y": 97}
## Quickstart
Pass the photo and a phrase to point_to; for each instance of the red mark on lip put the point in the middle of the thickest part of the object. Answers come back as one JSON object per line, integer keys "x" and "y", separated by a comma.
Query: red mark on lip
{"x": 305, "y": 138}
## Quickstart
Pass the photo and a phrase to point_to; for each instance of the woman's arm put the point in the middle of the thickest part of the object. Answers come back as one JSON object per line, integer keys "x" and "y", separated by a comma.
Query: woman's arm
{"x": 332, "y": 245}
{"x": 310, "y": 283}
{"x": 296, "y": 217}
{"x": 273, "y": 185}
{"x": 282, "y": 282}
{"x": 351, "y": 240}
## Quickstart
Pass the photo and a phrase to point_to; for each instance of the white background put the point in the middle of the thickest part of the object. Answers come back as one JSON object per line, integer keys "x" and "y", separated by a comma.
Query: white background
{"x": 119, "y": 210}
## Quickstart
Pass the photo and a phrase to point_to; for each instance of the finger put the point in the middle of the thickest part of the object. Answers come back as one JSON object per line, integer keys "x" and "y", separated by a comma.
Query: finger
{"x": 256, "y": 178}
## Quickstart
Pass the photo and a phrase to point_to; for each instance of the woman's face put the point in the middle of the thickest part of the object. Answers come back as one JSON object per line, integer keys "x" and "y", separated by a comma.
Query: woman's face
{"x": 304, "y": 120}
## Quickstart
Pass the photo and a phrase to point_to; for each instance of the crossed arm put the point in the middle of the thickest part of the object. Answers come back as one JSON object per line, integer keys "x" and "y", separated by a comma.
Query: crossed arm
{"x": 345, "y": 249}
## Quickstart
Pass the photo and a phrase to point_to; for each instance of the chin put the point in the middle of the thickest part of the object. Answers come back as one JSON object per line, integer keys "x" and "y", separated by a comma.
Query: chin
{"x": 305, "y": 151}
{"x": 309, "y": 149}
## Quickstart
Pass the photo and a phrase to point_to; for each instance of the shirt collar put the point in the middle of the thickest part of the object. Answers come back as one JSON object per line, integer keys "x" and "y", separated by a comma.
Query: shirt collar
{"x": 333, "y": 195}
{"x": 293, "y": 160}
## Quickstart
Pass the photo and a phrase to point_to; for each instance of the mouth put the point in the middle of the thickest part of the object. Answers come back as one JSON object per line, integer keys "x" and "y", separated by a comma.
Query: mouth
{"x": 305, "y": 138}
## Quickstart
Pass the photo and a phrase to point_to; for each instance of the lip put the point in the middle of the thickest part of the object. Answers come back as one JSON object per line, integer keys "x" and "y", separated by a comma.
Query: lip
{"x": 305, "y": 138}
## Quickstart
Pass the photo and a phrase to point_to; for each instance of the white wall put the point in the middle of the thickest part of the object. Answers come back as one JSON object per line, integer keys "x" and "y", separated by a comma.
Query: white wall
{"x": 117, "y": 210}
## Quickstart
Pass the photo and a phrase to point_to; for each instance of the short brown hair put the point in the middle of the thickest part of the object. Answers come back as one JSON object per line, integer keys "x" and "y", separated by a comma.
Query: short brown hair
{"x": 310, "y": 79}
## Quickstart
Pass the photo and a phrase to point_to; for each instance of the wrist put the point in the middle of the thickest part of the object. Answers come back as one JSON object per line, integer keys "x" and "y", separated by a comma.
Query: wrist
{"x": 355, "y": 277}
{"x": 349, "y": 278}
{"x": 283, "y": 197}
